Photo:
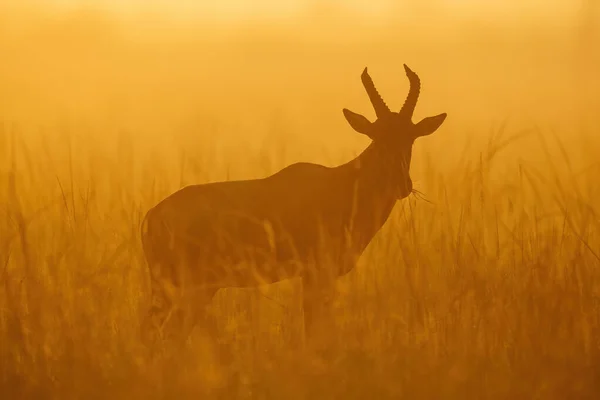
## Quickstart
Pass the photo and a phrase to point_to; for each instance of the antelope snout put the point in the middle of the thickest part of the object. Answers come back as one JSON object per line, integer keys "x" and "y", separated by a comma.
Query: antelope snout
{"x": 405, "y": 188}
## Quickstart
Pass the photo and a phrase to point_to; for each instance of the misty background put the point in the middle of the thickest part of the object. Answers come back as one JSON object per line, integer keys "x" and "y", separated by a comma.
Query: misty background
{"x": 240, "y": 74}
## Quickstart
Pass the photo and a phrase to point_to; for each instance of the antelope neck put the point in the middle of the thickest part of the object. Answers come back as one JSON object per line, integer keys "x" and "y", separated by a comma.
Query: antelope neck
{"x": 372, "y": 185}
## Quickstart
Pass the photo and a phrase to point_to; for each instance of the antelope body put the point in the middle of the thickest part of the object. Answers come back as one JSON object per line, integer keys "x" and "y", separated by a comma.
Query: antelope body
{"x": 307, "y": 220}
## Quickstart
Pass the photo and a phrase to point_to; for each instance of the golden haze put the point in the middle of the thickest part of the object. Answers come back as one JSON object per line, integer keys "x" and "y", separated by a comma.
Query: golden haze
{"x": 489, "y": 289}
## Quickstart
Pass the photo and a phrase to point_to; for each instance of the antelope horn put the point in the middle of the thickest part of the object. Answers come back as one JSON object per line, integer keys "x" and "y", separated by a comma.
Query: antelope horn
{"x": 379, "y": 105}
{"x": 408, "y": 107}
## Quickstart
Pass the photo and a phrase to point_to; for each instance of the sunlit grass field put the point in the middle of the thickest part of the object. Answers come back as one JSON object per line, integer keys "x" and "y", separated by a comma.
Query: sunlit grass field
{"x": 489, "y": 290}
{"x": 485, "y": 286}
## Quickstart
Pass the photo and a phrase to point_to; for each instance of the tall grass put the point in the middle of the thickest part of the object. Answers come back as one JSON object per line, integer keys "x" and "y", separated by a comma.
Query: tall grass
{"x": 489, "y": 289}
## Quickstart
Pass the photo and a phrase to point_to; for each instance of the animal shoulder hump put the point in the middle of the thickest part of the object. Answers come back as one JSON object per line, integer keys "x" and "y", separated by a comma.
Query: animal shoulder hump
{"x": 303, "y": 167}
{"x": 300, "y": 170}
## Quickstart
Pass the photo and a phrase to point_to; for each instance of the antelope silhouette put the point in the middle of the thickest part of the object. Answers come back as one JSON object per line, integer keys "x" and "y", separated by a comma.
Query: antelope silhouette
{"x": 307, "y": 220}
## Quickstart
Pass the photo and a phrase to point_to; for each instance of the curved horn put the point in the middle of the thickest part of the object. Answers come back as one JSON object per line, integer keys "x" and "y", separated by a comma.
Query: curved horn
{"x": 379, "y": 105}
{"x": 413, "y": 94}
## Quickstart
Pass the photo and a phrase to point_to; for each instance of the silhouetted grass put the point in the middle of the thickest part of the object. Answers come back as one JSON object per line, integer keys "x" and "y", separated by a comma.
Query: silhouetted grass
{"x": 489, "y": 290}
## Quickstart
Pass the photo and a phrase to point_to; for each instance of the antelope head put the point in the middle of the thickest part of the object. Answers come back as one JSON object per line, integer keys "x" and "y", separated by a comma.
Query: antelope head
{"x": 393, "y": 133}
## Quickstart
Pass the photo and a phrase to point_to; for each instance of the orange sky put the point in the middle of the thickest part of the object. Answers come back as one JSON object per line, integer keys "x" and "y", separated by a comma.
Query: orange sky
{"x": 163, "y": 74}
{"x": 90, "y": 67}
{"x": 235, "y": 9}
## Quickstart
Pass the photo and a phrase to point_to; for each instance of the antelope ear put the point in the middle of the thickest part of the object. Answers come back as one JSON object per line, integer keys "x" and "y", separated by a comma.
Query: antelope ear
{"x": 429, "y": 125}
{"x": 358, "y": 122}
